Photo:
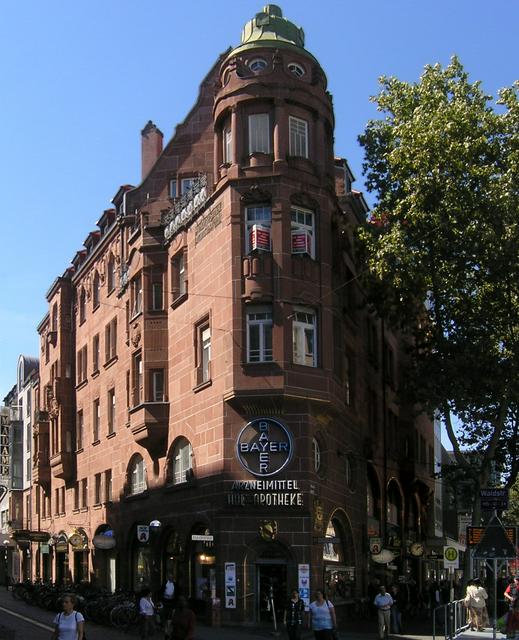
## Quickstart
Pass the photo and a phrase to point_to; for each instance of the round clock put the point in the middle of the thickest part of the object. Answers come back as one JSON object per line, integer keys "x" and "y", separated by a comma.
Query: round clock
{"x": 417, "y": 549}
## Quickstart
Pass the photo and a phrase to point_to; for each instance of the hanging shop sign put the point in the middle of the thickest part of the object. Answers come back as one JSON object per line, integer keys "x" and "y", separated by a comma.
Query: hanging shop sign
{"x": 375, "y": 546}
{"x": 186, "y": 208}
{"x": 230, "y": 585}
{"x": 265, "y": 493}
{"x": 4, "y": 444}
{"x": 264, "y": 447}
{"x": 384, "y": 557}
{"x": 143, "y": 532}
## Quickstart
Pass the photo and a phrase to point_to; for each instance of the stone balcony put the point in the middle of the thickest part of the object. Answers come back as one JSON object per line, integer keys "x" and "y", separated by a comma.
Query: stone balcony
{"x": 62, "y": 465}
{"x": 149, "y": 425}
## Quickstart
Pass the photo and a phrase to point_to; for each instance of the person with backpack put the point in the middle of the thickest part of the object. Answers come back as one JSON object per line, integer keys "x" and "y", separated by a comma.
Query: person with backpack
{"x": 69, "y": 624}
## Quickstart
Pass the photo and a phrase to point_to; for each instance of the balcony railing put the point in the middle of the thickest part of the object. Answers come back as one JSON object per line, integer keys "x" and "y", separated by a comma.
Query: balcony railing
{"x": 186, "y": 207}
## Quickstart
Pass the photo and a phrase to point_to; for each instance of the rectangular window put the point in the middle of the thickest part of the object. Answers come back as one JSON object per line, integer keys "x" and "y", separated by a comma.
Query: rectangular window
{"x": 56, "y": 502}
{"x": 157, "y": 297}
{"x": 157, "y": 385}
{"x": 298, "y": 137}
{"x": 136, "y": 295}
{"x": 96, "y": 419}
{"x": 62, "y": 492}
{"x": 84, "y": 493}
{"x": 259, "y": 334}
{"x": 303, "y": 231}
{"x": 389, "y": 365}
{"x": 97, "y": 488}
{"x": 111, "y": 340}
{"x": 304, "y": 337}
{"x": 138, "y": 391}
{"x": 185, "y": 185}
{"x": 349, "y": 381}
{"x": 28, "y": 470}
{"x": 258, "y": 221}
{"x": 203, "y": 353}
{"x": 179, "y": 275}
{"x": 227, "y": 146}
{"x": 259, "y": 133}
{"x": 173, "y": 188}
{"x": 28, "y": 431}
{"x": 111, "y": 411}
{"x": 79, "y": 430}
{"x": 82, "y": 363}
{"x": 95, "y": 353}
{"x": 108, "y": 485}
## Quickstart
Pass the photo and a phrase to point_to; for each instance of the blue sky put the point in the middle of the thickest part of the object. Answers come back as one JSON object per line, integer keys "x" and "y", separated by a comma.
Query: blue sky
{"x": 80, "y": 79}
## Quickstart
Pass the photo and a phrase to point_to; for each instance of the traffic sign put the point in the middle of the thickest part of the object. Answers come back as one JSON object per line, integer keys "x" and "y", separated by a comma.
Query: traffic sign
{"x": 451, "y": 558}
{"x": 495, "y": 544}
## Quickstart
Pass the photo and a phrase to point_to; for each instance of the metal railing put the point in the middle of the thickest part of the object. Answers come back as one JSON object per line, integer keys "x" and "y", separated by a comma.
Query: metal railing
{"x": 449, "y": 620}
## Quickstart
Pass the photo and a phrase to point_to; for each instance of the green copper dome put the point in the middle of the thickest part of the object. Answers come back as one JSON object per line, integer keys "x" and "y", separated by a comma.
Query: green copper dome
{"x": 269, "y": 24}
{"x": 269, "y": 28}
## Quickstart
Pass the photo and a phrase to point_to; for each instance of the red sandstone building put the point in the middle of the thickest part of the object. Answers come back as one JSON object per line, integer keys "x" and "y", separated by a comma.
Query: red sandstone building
{"x": 215, "y": 399}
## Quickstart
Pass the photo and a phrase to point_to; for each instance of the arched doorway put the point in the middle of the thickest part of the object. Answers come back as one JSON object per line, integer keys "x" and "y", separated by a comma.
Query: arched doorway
{"x": 202, "y": 567}
{"x": 104, "y": 558}
{"x": 339, "y": 564}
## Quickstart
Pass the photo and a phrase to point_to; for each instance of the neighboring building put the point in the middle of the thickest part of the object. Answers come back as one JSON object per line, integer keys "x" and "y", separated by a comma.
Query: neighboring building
{"x": 215, "y": 398}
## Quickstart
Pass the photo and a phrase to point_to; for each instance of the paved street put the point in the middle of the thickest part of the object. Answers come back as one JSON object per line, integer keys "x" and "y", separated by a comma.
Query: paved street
{"x": 32, "y": 623}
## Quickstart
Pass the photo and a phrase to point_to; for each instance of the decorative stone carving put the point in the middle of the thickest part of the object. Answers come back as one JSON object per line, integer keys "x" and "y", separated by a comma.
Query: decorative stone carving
{"x": 53, "y": 408}
{"x": 136, "y": 334}
{"x": 256, "y": 195}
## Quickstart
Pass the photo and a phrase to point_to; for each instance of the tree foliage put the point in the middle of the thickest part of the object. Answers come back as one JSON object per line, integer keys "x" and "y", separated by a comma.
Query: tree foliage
{"x": 442, "y": 251}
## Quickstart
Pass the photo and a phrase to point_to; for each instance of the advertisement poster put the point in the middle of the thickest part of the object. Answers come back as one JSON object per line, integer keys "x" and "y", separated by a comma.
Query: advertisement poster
{"x": 304, "y": 583}
{"x": 230, "y": 585}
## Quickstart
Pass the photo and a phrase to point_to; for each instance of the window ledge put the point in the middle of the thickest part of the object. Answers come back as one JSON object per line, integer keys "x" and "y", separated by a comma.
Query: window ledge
{"x": 187, "y": 484}
{"x": 137, "y": 496}
{"x": 95, "y": 373}
{"x": 202, "y": 385}
{"x": 179, "y": 300}
{"x": 97, "y": 506}
{"x": 84, "y": 509}
{"x": 81, "y": 384}
{"x": 96, "y": 307}
{"x": 135, "y": 316}
{"x": 80, "y": 450}
{"x": 109, "y": 293}
{"x": 110, "y": 362}
{"x": 96, "y": 442}
{"x": 111, "y": 435}
{"x": 107, "y": 503}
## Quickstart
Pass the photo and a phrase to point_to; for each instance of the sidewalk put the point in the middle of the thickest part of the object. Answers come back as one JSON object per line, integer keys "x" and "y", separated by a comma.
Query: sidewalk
{"x": 415, "y": 629}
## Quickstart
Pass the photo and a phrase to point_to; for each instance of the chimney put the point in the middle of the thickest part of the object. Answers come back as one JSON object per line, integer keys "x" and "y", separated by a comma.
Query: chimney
{"x": 151, "y": 146}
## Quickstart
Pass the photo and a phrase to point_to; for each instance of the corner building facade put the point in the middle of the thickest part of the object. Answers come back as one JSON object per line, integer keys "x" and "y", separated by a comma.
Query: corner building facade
{"x": 214, "y": 399}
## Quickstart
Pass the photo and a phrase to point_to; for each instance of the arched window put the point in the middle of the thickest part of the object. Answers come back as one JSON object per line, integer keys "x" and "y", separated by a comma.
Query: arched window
{"x": 137, "y": 475}
{"x": 95, "y": 291}
{"x": 296, "y": 69}
{"x": 257, "y": 64}
{"x": 82, "y": 306}
{"x": 181, "y": 461}
{"x": 111, "y": 274}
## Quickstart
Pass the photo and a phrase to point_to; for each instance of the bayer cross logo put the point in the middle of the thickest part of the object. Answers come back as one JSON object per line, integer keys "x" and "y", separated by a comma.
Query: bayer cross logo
{"x": 264, "y": 447}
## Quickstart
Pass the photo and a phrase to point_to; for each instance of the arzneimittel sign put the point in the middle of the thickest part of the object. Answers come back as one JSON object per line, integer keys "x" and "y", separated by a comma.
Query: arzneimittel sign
{"x": 264, "y": 447}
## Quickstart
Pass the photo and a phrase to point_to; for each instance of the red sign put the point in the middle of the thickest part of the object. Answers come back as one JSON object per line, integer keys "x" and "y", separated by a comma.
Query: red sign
{"x": 301, "y": 242}
{"x": 259, "y": 237}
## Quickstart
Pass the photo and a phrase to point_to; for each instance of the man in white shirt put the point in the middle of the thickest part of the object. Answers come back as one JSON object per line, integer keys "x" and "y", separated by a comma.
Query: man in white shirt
{"x": 168, "y": 597}
{"x": 383, "y": 602}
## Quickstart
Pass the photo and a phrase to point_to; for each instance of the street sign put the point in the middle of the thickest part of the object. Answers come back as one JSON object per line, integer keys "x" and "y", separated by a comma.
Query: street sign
{"x": 143, "y": 532}
{"x": 494, "y": 499}
{"x": 201, "y": 538}
{"x": 375, "y": 545}
{"x": 451, "y": 558}
{"x": 495, "y": 544}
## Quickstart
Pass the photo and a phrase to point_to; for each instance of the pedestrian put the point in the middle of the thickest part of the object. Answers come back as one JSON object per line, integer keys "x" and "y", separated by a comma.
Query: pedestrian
{"x": 475, "y": 601}
{"x": 383, "y": 603}
{"x": 293, "y": 615}
{"x": 322, "y": 617}
{"x": 69, "y": 624}
{"x": 396, "y": 609}
{"x": 146, "y": 614}
{"x": 512, "y": 619}
{"x": 168, "y": 595}
{"x": 181, "y": 625}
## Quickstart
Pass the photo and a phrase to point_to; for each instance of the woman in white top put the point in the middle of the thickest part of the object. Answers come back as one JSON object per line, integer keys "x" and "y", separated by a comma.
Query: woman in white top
{"x": 69, "y": 624}
{"x": 147, "y": 614}
{"x": 476, "y": 603}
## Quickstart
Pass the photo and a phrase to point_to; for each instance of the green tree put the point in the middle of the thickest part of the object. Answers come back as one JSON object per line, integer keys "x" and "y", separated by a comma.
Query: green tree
{"x": 441, "y": 250}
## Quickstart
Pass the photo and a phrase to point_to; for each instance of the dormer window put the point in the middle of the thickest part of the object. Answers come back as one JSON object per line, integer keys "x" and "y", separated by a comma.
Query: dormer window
{"x": 257, "y": 64}
{"x": 296, "y": 69}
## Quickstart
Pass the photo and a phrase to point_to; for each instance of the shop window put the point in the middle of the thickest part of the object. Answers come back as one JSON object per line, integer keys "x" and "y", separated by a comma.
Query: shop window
{"x": 95, "y": 291}
{"x": 137, "y": 476}
{"x": 203, "y": 352}
{"x": 96, "y": 419}
{"x": 298, "y": 130}
{"x": 259, "y": 334}
{"x": 303, "y": 231}
{"x": 227, "y": 145}
{"x": 179, "y": 276}
{"x": 82, "y": 306}
{"x": 157, "y": 385}
{"x": 136, "y": 295}
{"x": 95, "y": 353}
{"x": 79, "y": 430}
{"x": 258, "y": 222}
{"x": 111, "y": 411}
{"x": 259, "y": 133}
{"x": 111, "y": 274}
{"x": 138, "y": 390}
{"x": 304, "y": 337}
{"x": 181, "y": 461}
{"x": 111, "y": 340}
